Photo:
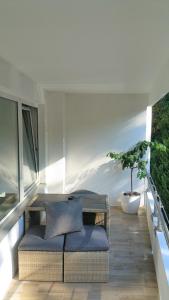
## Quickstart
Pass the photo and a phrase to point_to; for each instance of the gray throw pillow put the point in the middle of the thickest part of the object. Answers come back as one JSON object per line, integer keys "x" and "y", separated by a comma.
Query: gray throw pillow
{"x": 63, "y": 217}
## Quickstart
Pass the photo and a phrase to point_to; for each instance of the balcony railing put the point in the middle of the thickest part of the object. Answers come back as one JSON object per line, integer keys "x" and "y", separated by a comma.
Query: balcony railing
{"x": 159, "y": 215}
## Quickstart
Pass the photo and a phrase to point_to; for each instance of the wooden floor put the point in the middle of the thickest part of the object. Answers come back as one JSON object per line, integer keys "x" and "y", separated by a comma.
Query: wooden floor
{"x": 132, "y": 274}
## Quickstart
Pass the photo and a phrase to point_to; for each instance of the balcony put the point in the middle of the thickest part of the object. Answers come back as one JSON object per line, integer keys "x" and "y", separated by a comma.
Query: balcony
{"x": 79, "y": 79}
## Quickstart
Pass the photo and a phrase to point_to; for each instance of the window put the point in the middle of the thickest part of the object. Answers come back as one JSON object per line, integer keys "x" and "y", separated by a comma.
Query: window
{"x": 9, "y": 169}
{"x": 30, "y": 146}
{"x": 11, "y": 182}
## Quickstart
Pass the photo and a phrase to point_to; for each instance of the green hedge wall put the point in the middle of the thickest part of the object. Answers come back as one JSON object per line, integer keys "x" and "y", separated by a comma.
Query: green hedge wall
{"x": 160, "y": 163}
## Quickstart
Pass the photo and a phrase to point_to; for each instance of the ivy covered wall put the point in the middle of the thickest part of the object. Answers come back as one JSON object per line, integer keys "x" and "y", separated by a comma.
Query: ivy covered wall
{"x": 160, "y": 163}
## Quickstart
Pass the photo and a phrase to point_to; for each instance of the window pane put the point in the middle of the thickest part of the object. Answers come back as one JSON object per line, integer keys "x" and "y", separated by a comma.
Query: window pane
{"x": 9, "y": 191}
{"x": 30, "y": 148}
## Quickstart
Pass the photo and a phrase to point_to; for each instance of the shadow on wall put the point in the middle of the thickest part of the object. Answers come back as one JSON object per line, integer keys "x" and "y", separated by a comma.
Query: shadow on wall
{"x": 107, "y": 178}
{"x": 85, "y": 165}
{"x": 102, "y": 175}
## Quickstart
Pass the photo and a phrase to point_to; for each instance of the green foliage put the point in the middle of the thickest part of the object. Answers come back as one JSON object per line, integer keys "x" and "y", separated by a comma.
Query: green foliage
{"x": 134, "y": 158}
{"x": 160, "y": 163}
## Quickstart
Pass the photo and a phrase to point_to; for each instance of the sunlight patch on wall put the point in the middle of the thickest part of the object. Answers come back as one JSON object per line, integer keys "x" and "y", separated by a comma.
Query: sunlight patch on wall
{"x": 88, "y": 171}
{"x": 55, "y": 176}
{"x": 137, "y": 121}
{"x": 105, "y": 177}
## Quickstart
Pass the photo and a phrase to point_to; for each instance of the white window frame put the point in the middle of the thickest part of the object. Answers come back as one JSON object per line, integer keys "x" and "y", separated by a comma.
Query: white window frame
{"x": 35, "y": 183}
{"x": 20, "y": 103}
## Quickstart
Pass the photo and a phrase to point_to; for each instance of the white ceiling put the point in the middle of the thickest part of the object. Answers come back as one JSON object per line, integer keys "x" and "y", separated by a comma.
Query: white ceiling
{"x": 120, "y": 44}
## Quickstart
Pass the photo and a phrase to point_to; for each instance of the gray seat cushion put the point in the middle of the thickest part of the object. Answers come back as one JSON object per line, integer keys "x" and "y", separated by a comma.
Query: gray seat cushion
{"x": 34, "y": 241}
{"x": 90, "y": 238}
{"x": 63, "y": 217}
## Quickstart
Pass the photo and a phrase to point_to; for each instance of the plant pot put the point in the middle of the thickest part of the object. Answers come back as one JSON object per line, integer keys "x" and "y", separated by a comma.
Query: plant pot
{"x": 130, "y": 202}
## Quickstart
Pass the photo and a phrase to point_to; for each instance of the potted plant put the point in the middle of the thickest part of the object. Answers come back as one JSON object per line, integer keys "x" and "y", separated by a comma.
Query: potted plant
{"x": 134, "y": 158}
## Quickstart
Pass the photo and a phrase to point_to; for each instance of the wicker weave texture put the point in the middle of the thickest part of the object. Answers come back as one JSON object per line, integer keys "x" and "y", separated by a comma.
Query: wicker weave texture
{"x": 40, "y": 266}
{"x": 86, "y": 266}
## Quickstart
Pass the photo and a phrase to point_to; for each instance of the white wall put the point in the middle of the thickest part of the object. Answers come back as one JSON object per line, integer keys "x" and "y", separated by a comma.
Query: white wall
{"x": 55, "y": 157}
{"x": 81, "y": 129}
{"x": 17, "y": 84}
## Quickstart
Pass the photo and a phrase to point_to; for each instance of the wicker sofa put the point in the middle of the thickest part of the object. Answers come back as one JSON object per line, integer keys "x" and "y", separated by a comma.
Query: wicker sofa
{"x": 81, "y": 256}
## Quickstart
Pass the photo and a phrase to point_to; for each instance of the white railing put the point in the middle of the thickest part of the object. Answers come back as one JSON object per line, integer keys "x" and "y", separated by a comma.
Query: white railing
{"x": 159, "y": 217}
